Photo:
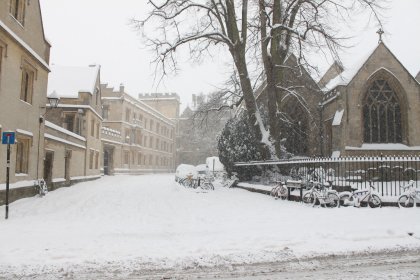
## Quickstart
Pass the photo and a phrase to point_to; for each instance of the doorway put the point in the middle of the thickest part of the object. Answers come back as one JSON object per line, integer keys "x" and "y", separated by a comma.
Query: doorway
{"x": 48, "y": 166}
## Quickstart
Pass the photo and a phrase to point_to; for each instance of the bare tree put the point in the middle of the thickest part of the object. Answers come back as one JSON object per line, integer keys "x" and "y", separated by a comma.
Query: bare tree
{"x": 268, "y": 30}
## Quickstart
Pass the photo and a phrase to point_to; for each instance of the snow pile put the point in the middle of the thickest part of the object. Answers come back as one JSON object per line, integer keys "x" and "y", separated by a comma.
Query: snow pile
{"x": 147, "y": 222}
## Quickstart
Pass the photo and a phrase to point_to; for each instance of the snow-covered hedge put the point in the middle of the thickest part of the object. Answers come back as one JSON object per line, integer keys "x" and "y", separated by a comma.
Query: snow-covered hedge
{"x": 237, "y": 143}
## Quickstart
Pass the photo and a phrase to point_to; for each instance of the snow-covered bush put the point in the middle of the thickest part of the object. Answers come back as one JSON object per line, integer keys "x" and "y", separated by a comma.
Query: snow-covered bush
{"x": 237, "y": 143}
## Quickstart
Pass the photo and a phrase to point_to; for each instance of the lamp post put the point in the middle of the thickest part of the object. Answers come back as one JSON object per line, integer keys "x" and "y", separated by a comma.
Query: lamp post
{"x": 321, "y": 132}
{"x": 53, "y": 100}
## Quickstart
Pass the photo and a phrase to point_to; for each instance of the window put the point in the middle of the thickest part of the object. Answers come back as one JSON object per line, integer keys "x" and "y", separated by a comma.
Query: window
{"x": 105, "y": 112}
{"x": 139, "y": 159}
{"x": 127, "y": 115}
{"x": 126, "y": 157}
{"x": 17, "y": 10}
{"x": 91, "y": 155}
{"x": 97, "y": 130}
{"x": 151, "y": 142}
{"x": 27, "y": 84}
{"x": 92, "y": 128}
{"x": 151, "y": 125}
{"x": 382, "y": 114}
{"x": 157, "y": 127}
{"x": 132, "y": 158}
{"x": 1, "y": 55}
{"x": 69, "y": 121}
{"x": 22, "y": 154}
{"x": 96, "y": 160}
{"x": 127, "y": 136}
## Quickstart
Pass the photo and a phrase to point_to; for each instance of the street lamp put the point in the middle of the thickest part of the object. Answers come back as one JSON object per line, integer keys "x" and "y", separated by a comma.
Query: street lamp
{"x": 53, "y": 100}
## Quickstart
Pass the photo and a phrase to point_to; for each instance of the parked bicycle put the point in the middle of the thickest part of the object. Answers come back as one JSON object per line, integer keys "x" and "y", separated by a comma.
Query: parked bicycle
{"x": 230, "y": 182}
{"x": 41, "y": 187}
{"x": 189, "y": 181}
{"x": 206, "y": 183}
{"x": 279, "y": 190}
{"x": 320, "y": 194}
{"x": 360, "y": 198}
{"x": 410, "y": 196}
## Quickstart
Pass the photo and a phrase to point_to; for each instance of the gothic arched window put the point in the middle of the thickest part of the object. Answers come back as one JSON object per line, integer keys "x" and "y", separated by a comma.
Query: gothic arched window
{"x": 382, "y": 114}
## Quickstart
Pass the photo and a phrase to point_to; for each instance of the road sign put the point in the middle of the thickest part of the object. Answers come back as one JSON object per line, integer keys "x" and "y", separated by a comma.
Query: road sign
{"x": 8, "y": 137}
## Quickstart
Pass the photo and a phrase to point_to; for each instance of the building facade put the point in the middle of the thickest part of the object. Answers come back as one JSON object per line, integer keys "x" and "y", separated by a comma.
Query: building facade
{"x": 137, "y": 138}
{"x": 371, "y": 108}
{"x": 73, "y": 130}
{"x": 24, "y": 58}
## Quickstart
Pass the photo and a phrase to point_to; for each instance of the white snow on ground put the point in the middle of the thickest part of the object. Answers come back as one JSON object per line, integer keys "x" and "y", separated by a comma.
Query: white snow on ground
{"x": 151, "y": 221}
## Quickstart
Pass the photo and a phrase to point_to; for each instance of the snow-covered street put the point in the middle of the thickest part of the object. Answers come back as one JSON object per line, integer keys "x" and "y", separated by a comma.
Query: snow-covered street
{"x": 149, "y": 222}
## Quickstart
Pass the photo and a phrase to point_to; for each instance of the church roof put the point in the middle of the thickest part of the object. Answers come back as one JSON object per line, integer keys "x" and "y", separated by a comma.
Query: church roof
{"x": 349, "y": 72}
{"x": 69, "y": 81}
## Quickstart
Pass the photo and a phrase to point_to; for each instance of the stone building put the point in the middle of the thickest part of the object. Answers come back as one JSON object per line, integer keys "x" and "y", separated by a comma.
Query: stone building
{"x": 371, "y": 107}
{"x": 137, "y": 137}
{"x": 197, "y": 135}
{"x": 24, "y": 58}
{"x": 73, "y": 130}
{"x": 300, "y": 112}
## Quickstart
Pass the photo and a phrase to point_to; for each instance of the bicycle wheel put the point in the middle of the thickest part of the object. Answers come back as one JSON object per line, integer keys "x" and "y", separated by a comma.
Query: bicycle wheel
{"x": 405, "y": 201}
{"x": 308, "y": 198}
{"x": 346, "y": 200}
{"x": 333, "y": 200}
{"x": 273, "y": 191}
{"x": 282, "y": 193}
{"x": 374, "y": 201}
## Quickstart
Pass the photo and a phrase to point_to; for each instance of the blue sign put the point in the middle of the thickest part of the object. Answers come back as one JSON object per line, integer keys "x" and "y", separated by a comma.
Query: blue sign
{"x": 8, "y": 137}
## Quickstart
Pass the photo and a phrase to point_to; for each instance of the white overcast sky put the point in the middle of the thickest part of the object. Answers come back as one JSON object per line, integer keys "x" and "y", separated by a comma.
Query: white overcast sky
{"x": 84, "y": 32}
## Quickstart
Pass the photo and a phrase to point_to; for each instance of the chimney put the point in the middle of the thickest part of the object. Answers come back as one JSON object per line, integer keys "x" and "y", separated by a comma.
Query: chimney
{"x": 121, "y": 88}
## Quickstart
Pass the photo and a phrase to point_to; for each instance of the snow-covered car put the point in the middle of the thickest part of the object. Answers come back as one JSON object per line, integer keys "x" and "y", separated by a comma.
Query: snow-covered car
{"x": 183, "y": 170}
{"x": 214, "y": 164}
{"x": 215, "y": 167}
{"x": 201, "y": 170}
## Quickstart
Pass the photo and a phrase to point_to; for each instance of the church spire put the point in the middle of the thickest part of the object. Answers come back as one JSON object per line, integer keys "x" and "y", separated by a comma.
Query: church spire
{"x": 380, "y": 32}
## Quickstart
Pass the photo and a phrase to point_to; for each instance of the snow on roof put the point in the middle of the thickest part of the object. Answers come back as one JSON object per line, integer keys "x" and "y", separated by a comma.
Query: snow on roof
{"x": 349, "y": 72}
{"x": 337, "y": 117}
{"x": 68, "y": 81}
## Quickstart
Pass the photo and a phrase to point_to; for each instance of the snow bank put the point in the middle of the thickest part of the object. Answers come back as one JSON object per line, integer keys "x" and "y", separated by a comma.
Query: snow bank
{"x": 148, "y": 222}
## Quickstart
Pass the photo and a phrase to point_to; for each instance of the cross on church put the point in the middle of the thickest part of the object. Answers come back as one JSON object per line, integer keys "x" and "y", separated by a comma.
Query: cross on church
{"x": 380, "y": 32}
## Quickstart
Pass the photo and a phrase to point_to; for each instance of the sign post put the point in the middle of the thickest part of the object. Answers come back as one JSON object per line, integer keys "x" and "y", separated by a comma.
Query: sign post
{"x": 7, "y": 139}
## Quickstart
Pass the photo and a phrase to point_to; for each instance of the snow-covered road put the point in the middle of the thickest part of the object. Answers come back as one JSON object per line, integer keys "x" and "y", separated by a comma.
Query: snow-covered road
{"x": 149, "y": 222}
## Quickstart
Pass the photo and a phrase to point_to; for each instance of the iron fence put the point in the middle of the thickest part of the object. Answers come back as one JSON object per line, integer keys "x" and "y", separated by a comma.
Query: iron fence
{"x": 387, "y": 174}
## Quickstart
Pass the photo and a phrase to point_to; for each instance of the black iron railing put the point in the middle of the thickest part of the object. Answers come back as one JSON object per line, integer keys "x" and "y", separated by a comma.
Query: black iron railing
{"x": 386, "y": 174}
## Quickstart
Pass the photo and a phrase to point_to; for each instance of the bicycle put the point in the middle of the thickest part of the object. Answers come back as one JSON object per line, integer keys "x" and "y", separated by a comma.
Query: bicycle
{"x": 279, "y": 191}
{"x": 189, "y": 182}
{"x": 232, "y": 181}
{"x": 356, "y": 198}
{"x": 409, "y": 197}
{"x": 41, "y": 187}
{"x": 207, "y": 183}
{"x": 319, "y": 193}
